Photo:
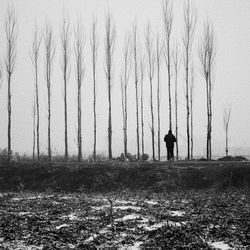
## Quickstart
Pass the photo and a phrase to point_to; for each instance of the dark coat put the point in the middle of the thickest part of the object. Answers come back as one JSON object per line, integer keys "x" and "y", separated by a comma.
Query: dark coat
{"x": 170, "y": 140}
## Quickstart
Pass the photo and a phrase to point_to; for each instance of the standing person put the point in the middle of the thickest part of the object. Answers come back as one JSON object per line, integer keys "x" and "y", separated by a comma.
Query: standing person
{"x": 170, "y": 140}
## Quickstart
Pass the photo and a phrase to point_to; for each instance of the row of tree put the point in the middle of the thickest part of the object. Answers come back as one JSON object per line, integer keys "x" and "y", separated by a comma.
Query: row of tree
{"x": 139, "y": 58}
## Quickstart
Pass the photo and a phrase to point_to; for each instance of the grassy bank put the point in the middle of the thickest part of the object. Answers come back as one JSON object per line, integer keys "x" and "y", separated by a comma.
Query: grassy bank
{"x": 106, "y": 177}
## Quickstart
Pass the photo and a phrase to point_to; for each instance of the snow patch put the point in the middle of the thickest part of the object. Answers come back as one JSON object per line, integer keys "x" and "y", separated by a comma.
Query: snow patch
{"x": 177, "y": 213}
{"x": 136, "y": 246}
{"x": 92, "y": 218}
{"x": 66, "y": 197}
{"x": 127, "y": 207}
{"x": 17, "y": 199}
{"x": 125, "y": 202}
{"x": 129, "y": 217}
{"x": 91, "y": 238}
{"x": 220, "y": 245}
{"x": 61, "y": 226}
{"x": 98, "y": 208}
{"x": 20, "y": 245}
{"x": 162, "y": 224}
{"x": 138, "y": 217}
{"x": 103, "y": 231}
{"x": 72, "y": 217}
{"x": 150, "y": 202}
{"x": 24, "y": 213}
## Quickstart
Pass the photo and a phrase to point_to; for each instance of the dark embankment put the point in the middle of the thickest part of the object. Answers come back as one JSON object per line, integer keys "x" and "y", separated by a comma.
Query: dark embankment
{"x": 104, "y": 177}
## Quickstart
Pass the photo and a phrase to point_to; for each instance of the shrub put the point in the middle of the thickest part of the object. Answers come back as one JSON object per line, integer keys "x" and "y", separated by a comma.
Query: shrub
{"x": 144, "y": 157}
{"x": 240, "y": 158}
{"x": 99, "y": 157}
{"x": 231, "y": 158}
{"x": 4, "y": 155}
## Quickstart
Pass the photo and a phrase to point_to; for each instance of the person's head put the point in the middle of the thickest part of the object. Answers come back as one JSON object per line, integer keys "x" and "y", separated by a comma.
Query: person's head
{"x": 170, "y": 131}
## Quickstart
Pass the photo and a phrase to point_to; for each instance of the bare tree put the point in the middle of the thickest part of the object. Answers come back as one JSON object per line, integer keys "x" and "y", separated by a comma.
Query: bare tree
{"x": 158, "y": 61}
{"x": 226, "y": 123}
{"x": 150, "y": 71}
{"x": 34, "y": 59}
{"x": 124, "y": 90}
{"x": 94, "y": 45}
{"x": 10, "y": 59}
{"x": 191, "y": 91}
{"x": 49, "y": 59}
{"x": 65, "y": 40}
{"x": 142, "y": 75}
{"x": 109, "y": 51}
{"x": 167, "y": 7}
{"x": 176, "y": 62}
{"x": 207, "y": 52}
{"x": 135, "y": 57}
{"x": 188, "y": 37}
{"x": 79, "y": 46}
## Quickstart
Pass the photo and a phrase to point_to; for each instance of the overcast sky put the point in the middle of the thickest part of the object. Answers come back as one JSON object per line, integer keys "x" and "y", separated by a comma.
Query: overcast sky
{"x": 232, "y": 74}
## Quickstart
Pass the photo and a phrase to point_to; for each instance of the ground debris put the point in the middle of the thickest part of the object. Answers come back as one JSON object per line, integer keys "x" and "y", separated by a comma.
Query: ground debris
{"x": 194, "y": 220}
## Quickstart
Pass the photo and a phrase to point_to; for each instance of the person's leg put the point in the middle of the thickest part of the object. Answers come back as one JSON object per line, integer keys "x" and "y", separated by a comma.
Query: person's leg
{"x": 172, "y": 153}
{"x": 168, "y": 154}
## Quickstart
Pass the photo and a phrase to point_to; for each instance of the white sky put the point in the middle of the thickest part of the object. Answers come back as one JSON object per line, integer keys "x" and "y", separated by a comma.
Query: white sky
{"x": 232, "y": 74}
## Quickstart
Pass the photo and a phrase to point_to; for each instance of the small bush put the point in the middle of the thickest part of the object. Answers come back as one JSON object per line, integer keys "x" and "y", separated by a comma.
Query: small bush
{"x": 4, "y": 155}
{"x": 131, "y": 157}
{"x": 99, "y": 157}
{"x": 231, "y": 158}
{"x": 144, "y": 157}
{"x": 240, "y": 158}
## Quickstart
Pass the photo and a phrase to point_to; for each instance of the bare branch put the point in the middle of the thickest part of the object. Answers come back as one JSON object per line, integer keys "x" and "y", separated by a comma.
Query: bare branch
{"x": 150, "y": 51}
{"x": 167, "y": 8}
{"x": 79, "y": 46}
{"x": 109, "y": 45}
{"x": 227, "y": 116}
{"x": 65, "y": 42}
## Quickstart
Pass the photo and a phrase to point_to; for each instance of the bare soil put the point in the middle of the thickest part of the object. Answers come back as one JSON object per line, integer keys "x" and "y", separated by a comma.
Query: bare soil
{"x": 125, "y": 220}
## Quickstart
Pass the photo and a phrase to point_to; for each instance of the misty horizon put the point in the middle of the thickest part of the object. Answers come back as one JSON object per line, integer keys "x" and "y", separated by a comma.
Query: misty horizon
{"x": 231, "y": 76}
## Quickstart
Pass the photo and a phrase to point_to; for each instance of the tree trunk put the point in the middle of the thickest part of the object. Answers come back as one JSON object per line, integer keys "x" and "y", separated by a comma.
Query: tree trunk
{"x": 137, "y": 120}
{"x": 9, "y": 118}
{"x": 158, "y": 108}
{"x": 191, "y": 126}
{"x": 210, "y": 121}
{"x": 169, "y": 88}
{"x": 66, "y": 154}
{"x": 176, "y": 116}
{"x": 34, "y": 133}
{"x": 37, "y": 114}
{"x": 49, "y": 123}
{"x": 79, "y": 124}
{"x": 226, "y": 142}
{"x": 94, "y": 109}
{"x": 152, "y": 119}
{"x": 188, "y": 111}
{"x": 142, "y": 120}
{"x": 109, "y": 121}
{"x": 126, "y": 124}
